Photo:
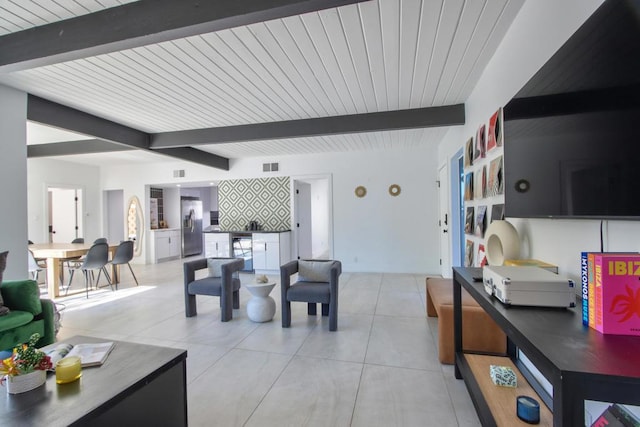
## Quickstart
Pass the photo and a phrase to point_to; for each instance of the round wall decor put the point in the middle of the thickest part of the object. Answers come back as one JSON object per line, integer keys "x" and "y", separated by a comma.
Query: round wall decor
{"x": 361, "y": 191}
{"x": 394, "y": 190}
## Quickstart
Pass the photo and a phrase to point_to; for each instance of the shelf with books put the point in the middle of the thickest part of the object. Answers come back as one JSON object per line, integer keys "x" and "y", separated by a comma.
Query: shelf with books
{"x": 581, "y": 365}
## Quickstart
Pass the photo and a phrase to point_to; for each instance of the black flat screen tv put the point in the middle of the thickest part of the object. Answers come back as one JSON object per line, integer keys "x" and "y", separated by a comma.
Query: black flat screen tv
{"x": 572, "y": 133}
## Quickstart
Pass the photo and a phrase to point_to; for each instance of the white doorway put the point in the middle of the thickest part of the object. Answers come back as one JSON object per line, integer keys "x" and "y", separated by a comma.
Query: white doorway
{"x": 443, "y": 220}
{"x": 65, "y": 207}
{"x": 456, "y": 230}
{"x": 312, "y": 218}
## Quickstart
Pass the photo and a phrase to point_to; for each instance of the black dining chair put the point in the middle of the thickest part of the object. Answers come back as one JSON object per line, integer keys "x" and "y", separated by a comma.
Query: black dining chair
{"x": 96, "y": 259}
{"x": 123, "y": 255}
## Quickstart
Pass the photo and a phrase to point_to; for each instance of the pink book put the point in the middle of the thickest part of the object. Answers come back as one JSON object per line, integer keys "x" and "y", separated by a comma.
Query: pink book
{"x": 617, "y": 289}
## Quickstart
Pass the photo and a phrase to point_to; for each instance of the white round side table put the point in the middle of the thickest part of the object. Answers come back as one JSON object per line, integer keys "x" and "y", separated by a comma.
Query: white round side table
{"x": 261, "y": 307}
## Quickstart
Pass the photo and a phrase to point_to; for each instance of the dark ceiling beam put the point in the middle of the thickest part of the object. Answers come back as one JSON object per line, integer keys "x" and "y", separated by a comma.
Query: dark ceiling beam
{"x": 53, "y": 114}
{"x": 196, "y": 156}
{"x": 449, "y": 115}
{"x": 66, "y": 148}
{"x": 141, "y": 23}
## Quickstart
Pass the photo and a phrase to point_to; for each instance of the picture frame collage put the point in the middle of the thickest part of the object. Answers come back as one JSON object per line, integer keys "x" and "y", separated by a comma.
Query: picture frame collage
{"x": 483, "y": 186}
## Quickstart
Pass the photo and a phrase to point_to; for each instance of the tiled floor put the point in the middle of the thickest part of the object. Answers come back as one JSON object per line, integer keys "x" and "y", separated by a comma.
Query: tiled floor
{"x": 379, "y": 369}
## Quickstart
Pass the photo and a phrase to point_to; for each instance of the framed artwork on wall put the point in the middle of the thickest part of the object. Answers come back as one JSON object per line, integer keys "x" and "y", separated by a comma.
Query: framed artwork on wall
{"x": 497, "y": 212}
{"x": 468, "y": 153}
{"x": 468, "y": 221}
{"x": 468, "y": 254}
{"x": 495, "y": 138}
{"x": 495, "y": 184}
{"x": 468, "y": 186}
{"x": 481, "y": 143}
{"x": 481, "y": 221}
{"x": 481, "y": 258}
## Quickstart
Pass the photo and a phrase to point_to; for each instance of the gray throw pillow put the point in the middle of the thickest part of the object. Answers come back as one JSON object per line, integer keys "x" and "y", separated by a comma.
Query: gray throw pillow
{"x": 215, "y": 266}
{"x": 3, "y": 264}
{"x": 314, "y": 271}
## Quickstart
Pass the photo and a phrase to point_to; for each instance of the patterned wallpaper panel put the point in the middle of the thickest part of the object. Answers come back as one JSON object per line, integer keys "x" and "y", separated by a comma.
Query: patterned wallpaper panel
{"x": 266, "y": 200}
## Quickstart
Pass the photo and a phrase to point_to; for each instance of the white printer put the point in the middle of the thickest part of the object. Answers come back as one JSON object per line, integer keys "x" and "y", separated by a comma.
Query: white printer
{"x": 533, "y": 286}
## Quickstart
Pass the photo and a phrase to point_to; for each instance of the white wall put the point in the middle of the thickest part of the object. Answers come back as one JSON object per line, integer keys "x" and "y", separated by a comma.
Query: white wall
{"x": 43, "y": 172}
{"x": 13, "y": 176}
{"x": 540, "y": 28}
{"x": 378, "y": 233}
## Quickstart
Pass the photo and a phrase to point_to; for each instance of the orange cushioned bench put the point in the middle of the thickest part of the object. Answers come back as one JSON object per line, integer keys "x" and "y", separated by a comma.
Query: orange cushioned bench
{"x": 479, "y": 332}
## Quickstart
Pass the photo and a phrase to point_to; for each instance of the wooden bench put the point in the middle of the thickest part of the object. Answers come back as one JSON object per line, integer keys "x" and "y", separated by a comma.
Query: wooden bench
{"x": 479, "y": 332}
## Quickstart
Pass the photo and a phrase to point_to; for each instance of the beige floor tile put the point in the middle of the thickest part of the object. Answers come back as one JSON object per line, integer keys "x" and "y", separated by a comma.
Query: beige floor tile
{"x": 310, "y": 392}
{"x": 229, "y": 392}
{"x": 379, "y": 369}
{"x": 402, "y": 342}
{"x": 407, "y": 304}
{"x": 402, "y": 397}
{"x": 348, "y": 343}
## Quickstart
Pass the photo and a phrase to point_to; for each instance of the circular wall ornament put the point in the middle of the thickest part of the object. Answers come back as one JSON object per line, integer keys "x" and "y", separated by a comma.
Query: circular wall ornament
{"x": 361, "y": 191}
{"x": 394, "y": 190}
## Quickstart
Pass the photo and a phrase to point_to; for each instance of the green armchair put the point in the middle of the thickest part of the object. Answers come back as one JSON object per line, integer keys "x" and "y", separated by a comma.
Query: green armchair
{"x": 29, "y": 314}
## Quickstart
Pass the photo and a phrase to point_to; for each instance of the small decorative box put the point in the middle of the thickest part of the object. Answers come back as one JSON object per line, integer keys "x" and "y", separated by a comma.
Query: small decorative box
{"x": 503, "y": 376}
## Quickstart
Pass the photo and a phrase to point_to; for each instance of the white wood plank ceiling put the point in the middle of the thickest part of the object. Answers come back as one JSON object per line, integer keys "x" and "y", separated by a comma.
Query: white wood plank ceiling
{"x": 375, "y": 56}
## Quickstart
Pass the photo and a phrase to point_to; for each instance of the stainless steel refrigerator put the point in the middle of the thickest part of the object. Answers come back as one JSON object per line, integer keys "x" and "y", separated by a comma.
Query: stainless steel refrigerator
{"x": 191, "y": 226}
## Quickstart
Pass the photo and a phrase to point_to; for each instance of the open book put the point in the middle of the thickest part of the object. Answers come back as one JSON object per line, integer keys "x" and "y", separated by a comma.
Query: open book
{"x": 93, "y": 354}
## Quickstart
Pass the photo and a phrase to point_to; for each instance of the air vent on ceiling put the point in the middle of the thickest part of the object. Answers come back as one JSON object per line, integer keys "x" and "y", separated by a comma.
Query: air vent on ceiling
{"x": 178, "y": 173}
{"x": 270, "y": 167}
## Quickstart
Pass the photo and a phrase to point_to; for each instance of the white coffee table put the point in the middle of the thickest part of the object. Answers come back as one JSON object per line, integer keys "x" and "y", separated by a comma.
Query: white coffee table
{"x": 261, "y": 307}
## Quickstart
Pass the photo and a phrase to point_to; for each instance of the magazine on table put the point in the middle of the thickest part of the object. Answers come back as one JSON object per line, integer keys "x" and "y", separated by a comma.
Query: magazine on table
{"x": 91, "y": 354}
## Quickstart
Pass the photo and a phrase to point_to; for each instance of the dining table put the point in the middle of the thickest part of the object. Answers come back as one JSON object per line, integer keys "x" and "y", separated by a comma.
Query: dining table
{"x": 55, "y": 253}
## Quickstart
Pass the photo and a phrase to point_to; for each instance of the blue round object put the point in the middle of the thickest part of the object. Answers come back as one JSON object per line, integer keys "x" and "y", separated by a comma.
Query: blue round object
{"x": 528, "y": 409}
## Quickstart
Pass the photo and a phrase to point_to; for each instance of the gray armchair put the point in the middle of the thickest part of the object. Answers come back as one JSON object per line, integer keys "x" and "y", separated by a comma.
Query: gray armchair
{"x": 226, "y": 286}
{"x": 317, "y": 283}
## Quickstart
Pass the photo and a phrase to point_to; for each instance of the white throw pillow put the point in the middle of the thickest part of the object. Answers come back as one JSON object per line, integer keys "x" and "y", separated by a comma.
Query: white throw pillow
{"x": 215, "y": 266}
{"x": 314, "y": 271}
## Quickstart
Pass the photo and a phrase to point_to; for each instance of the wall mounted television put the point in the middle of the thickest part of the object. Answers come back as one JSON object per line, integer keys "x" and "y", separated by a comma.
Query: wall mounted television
{"x": 572, "y": 133}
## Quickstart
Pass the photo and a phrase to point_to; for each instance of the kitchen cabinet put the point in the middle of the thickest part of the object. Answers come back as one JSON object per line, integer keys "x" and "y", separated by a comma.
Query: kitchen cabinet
{"x": 167, "y": 245}
{"x": 583, "y": 366}
{"x": 216, "y": 245}
{"x": 270, "y": 250}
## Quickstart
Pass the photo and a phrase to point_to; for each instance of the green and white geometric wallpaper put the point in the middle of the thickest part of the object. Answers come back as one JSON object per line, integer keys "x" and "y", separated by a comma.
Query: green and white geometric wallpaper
{"x": 266, "y": 200}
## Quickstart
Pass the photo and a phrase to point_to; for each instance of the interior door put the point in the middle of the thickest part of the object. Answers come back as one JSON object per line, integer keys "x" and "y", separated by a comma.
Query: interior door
{"x": 65, "y": 214}
{"x": 303, "y": 219}
{"x": 443, "y": 221}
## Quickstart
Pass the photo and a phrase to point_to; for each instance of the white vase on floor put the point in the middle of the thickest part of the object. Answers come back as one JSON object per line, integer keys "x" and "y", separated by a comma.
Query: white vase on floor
{"x": 261, "y": 307}
{"x": 26, "y": 382}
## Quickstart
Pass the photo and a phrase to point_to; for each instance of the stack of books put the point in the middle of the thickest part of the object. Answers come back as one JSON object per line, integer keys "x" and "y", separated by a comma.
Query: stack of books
{"x": 611, "y": 292}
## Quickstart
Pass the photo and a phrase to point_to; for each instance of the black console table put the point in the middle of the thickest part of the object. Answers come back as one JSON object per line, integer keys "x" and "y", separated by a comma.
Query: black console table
{"x": 579, "y": 362}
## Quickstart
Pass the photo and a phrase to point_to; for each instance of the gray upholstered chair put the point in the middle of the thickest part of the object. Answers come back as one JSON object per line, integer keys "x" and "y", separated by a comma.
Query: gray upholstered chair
{"x": 222, "y": 281}
{"x": 317, "y": 283}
